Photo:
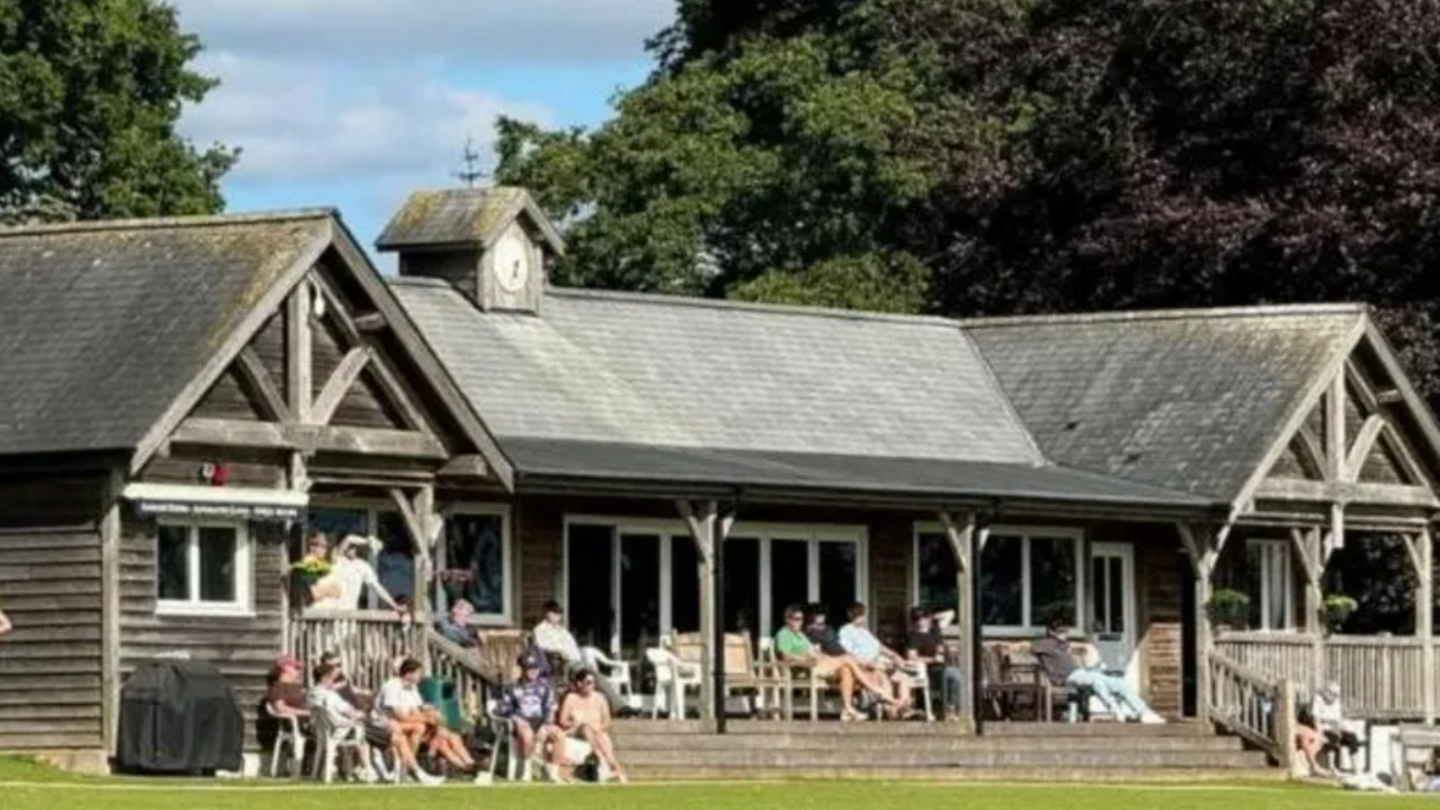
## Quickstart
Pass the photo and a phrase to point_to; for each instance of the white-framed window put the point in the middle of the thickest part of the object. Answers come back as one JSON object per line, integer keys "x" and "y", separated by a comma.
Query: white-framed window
{"x": 473, "y": 560}
{"x": 1270, "y": 584}
{"x": 203, "y": 568}
{"x": 627, "y": 581}
{"x": 1028, "y": 575}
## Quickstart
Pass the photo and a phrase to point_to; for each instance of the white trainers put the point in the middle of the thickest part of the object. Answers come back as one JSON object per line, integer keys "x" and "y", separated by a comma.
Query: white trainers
{"x": 1152, "y": 719}
{"x": 484, "y": 778}
{"x": 427, "y": 778}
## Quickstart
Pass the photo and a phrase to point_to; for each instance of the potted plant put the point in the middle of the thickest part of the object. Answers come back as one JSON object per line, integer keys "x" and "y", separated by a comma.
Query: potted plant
{"x": 1228, "y": 609}
{"x": 1338, "y": 607}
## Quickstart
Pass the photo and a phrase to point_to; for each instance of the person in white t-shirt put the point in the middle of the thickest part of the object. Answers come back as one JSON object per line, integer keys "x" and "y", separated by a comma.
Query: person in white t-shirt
{"x": 398, "y": 699}
{"x": 326, "y": 701}
{"x": 349, "y": 575}
{"x": 401, "y": 704}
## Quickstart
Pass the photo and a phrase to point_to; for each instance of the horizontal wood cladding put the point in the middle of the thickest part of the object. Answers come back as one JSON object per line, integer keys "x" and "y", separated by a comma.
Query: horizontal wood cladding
{"x": 50, "y": 664}
{"x": 40, "y": 501}
{"x": 246, "y": 468}
{"x": 243, "y": 648}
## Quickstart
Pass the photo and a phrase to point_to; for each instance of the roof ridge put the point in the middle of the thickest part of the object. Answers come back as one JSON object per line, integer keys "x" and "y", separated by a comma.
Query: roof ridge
{"x": 1186, "y": 313}
{"x": 151, "y": 223}
{"x": 667, "y": 299}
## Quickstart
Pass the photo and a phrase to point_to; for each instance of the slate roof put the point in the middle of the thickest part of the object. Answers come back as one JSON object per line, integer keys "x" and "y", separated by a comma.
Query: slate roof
{"x": 611, "y": 386}
{"x": 1187, "y": 400}
{"x": 462, "y": 216}
{"x": 103, "y": 324}
{"x": 680, "y": 372}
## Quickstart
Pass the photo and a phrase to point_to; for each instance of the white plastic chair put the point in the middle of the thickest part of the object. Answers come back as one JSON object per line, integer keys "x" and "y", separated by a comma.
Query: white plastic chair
{"x": 672, "y": 678}
{"x": 504, "y": 743}
{"x": 918, "y": 680}
{"x": 329, "y": 742}
{"x": 289, "y": 736}
{"x": 617, "y": 672}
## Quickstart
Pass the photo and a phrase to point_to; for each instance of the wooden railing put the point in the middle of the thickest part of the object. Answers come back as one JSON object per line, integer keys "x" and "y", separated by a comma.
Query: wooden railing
{"x": 367, "y": 641}
{"x": 1251, "y": 706}
{"x": 1380, "y": 677}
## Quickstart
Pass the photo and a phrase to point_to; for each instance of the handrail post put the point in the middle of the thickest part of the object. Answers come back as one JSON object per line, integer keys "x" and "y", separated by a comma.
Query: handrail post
{"x": 1285, "y": 724}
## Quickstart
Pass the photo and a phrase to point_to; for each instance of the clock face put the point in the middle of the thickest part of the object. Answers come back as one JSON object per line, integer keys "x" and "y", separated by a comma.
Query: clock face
{"x": 512, "y": 264}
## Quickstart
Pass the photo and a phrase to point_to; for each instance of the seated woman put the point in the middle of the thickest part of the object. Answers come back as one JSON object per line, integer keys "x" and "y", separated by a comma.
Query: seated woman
{"x": 585, "y": 715}
{"x": 325, "y": 698}
{"x": 795, "y": 647}
{"x": 530, "y": 707}
{"x": 885, "y": 667}
{"x": 421, "y": 725}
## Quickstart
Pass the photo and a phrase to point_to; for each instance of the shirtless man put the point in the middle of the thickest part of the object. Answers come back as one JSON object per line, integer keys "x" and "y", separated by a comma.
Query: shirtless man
{"x": 585, "y": 714}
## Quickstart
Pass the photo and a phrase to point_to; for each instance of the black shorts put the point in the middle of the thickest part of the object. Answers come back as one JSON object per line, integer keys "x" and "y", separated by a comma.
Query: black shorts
{"x": 535, "y": 723}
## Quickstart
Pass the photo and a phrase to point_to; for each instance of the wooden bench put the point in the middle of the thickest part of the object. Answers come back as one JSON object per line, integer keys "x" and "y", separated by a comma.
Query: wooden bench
{"x": 760, "y": 681}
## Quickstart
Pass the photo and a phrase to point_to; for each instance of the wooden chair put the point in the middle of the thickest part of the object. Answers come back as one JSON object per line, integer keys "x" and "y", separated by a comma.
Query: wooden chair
{"x": 1005, "y": 681}
{"x": 759, "y": 681}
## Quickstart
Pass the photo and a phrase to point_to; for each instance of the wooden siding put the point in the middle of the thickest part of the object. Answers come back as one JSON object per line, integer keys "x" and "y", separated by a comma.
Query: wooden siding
{"x": 461, "y": 268}
{"x": 184, "y": 468}
{"x": 50, "y": 586}
{"x": 1159, "y": 603}
{"x": 242, "y": 648}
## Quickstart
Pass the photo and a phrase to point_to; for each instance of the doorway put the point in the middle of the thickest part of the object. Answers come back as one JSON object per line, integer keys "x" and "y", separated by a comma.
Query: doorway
{"x": 1112, "y": 608}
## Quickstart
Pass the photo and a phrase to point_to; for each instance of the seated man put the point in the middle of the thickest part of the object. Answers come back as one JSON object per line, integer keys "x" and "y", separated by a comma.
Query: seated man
{"x": 884, "y": 666}
{"x": 795, "y": 648}
{"x": 551, "y": 636}
{"x": 1329, "y": 719}
{"x": 339, "y": 714}
{"x": 825, "y": 639}
{"x": 359, "y": 698}
{"x": 585, "y": 715}
{"x": 1053, "y": 652}
{"x": 530, "y": 706}
{"x": 401, "y": 704}
{"x": 285, "y": 696}
{"x": 926, "y": 646}
{"x": 455, "y": 625}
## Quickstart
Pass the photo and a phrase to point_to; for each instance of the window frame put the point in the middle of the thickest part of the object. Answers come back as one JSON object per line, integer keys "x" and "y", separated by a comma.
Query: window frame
{"x": 243, "y": 606}
{"x": 762, "y": 532}
{"x": 1025, "y": 533}
{"x": 1271, "y": 545}
{"x": 441, "y": 600}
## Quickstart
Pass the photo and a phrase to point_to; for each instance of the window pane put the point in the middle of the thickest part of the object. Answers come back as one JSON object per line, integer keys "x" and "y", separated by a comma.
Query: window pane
{"x": 588, "y": 593}
{"x": 789, "y": 575}
{"x": 1099, "y": 605}
{"x": 172, "y": 568}
{"x": 639, "y": 593}
{"x": 685, "y": 584}
{"x": 838, "y": 568}
{"x": 1000, "y": 582}
{"x": 394, "y": 566}
{"x": 1276, "y": 571}
{"x": 217, "y": 565}
{"x": 1117, "y": 595}
{"x": 1254, "y": 583}
{"x": 742, "y": 587}
{"x": 1052, "y": 580}
{"x": 475, "y": 562}
{"x": 936, "y": 566}
{"x": 337, "y": 523}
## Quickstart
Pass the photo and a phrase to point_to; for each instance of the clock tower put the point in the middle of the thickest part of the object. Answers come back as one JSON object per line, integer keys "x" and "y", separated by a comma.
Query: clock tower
{"x": 492, "y": 244}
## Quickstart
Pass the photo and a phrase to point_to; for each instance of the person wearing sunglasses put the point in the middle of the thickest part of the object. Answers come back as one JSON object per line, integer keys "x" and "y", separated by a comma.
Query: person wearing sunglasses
{"x": 585, "y": 715}
{"x": 796, "y": 649}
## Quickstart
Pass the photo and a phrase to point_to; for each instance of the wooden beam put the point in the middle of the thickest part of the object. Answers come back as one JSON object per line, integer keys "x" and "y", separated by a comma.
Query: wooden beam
{"x": 701, "y": 518}
{"x": 1425, "y": 618}
{"x": 1412, "y": 552}
{"x": 1346, "y": 493}
{"x": 1389, "y": 396}
{"x": 110, "y": 539}
{"x": 298, "y": 352}
{"x": 1400, "y": 449}
{"x": 959, "y": 538}
{"x": 1360, "y": 450}
{"x": 1364, "y": 391}
{"x": 309, "y": 439}
{"x": 1335, "y": 429}
{"x": 1309, "y": 445}
{"x": 960, "y": 531}
{"x": 340, "y": 383}
{"x": 1300, "y": 539}
{"x": 257, "y": 378}
{"x": 370, "y": 322}
{"x": 1335, "y": 538}
{"x": 467, "y": 466}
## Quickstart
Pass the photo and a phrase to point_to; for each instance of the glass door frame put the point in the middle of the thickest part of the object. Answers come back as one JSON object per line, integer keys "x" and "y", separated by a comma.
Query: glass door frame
{"x": 669, "y": 531}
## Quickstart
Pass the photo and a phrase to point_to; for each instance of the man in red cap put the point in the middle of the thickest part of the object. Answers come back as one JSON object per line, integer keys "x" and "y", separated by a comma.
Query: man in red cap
{"x": 286, "y": 695}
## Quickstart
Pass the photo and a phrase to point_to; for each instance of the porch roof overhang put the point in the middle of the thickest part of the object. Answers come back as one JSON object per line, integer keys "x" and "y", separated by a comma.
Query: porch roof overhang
{"x": 646, "y": 470}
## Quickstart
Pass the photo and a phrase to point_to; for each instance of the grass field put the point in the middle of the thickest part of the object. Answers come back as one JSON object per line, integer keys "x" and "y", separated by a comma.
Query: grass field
{"x": 26, "y": 786}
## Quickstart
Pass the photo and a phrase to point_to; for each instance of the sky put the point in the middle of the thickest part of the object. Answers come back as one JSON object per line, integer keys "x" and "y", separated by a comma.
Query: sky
{"x": 356, "y": 103}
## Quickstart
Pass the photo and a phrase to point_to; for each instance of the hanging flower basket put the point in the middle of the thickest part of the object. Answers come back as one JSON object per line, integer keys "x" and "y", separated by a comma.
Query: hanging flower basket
{"x": 303, "y": 577}
{"x": 1338, "y": 609}
{"x": 1228, "y": 609}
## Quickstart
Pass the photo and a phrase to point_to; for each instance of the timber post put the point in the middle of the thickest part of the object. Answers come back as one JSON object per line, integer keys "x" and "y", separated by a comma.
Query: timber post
{"x": 701, "y": 523}
{"x": 1203, "y": 554}
{"x": 960, "y": 534}
{"x": 110, "y": 538}
{"x": 1424, "y": 618}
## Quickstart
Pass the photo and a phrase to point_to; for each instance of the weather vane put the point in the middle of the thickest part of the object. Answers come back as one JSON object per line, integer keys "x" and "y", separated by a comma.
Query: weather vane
{"x": 472, "y": 173}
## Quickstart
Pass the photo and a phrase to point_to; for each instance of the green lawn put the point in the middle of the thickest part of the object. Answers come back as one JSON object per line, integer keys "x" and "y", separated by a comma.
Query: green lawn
{"x": 26, "y": 786}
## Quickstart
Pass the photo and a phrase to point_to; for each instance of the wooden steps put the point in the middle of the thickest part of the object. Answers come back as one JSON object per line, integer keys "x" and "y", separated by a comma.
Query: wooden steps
{"x": 935, "y": 752}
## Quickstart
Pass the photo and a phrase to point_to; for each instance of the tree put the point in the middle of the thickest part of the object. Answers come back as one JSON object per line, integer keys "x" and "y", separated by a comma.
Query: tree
{"x": 1000, "y": 156}
{"x": 90, "y": 95}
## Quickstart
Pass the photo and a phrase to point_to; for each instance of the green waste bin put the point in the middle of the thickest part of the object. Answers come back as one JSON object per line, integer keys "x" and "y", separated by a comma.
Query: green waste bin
{"x": 440, "y": 693}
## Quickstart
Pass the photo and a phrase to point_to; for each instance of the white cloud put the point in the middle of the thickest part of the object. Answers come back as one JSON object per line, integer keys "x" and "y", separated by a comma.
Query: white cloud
{"x": 298, "y": 124}
{"x": 476, "y": 31}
